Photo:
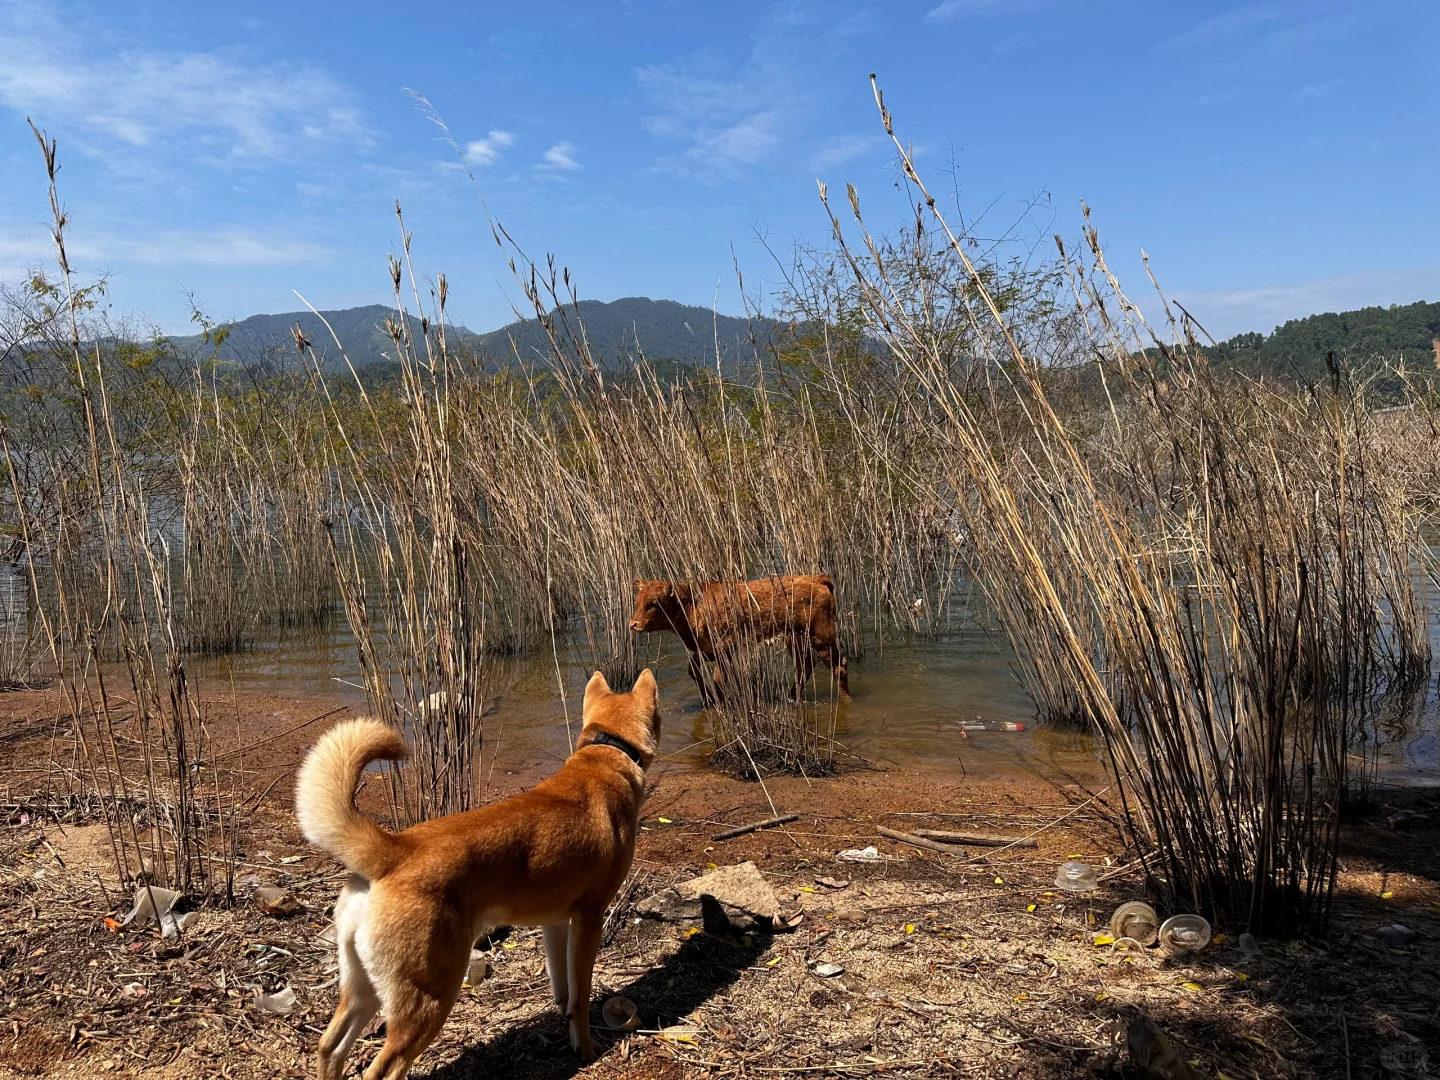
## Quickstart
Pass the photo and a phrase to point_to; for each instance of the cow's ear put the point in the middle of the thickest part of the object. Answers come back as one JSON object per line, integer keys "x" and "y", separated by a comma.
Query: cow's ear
{"x": 639, "y": 584}
{"x": 680, "y": 591}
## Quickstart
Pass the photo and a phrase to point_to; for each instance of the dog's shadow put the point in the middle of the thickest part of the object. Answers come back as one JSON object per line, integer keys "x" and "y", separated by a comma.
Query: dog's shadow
{"x": 703, "y": 966}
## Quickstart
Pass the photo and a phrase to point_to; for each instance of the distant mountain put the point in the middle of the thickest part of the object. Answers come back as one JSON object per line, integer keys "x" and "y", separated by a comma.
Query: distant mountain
{"x": 269, "y": 339}
{"x": 670, "y": 334}
{"x": 662, "y": 329}
{"x": 1297, "y": 349}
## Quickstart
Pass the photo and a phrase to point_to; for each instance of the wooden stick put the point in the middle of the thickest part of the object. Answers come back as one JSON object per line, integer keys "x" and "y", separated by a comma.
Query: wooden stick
{"x": 915, "y": 841}
{"x": 768, "y": 823}
{"x": 979, "y": 839}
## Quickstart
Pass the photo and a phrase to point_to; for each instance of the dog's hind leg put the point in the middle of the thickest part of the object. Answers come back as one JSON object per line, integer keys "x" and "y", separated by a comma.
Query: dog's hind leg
{"x": 358, "y": 999}
{"x": 557, "y": 948}
{"x": 358, "y": 1004}
{"x": 414, "y": 1015}
{"x": 585, "y": 930}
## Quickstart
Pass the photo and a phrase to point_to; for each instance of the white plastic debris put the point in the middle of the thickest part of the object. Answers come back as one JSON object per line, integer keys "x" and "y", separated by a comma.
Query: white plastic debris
{"x": 479, "y": 969}
{"x": 828, "y": 970}
{"x": 152, "y": 903}
{"x": 280, "y": 1003}
{"x": 869, "y": 854}
{"x": 1076, "y": 876}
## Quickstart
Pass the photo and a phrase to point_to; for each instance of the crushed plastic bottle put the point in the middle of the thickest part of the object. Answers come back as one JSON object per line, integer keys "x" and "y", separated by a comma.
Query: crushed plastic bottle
{"x": 1135, "y": 919}
{"x": 1184, "y": 934}
{"x": 1076, "y": 877}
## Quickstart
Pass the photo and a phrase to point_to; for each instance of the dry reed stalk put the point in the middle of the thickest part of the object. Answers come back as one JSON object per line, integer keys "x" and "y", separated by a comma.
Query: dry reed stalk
{"x": 1223, "y": 620}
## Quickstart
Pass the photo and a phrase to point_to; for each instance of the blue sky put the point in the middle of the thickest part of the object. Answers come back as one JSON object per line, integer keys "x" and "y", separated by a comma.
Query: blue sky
{"x": 1273, "y": 158}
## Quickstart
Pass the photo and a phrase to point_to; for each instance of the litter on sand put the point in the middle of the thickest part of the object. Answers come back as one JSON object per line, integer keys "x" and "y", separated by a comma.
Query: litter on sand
{"x": 280, "y": 1003}
{"x": 620, "y": 1014}
{"x": 869, "y": 854}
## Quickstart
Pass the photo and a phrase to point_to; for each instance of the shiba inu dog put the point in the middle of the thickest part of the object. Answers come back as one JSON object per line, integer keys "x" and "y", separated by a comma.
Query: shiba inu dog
{"x": 552, "y": 857}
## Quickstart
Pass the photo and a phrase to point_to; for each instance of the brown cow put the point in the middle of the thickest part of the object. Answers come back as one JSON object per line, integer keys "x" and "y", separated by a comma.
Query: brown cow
{"x": 715, "y": 618}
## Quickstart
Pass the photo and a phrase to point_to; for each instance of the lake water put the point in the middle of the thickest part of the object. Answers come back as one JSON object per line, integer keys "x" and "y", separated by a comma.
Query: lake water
{"x": 909, "y": 701}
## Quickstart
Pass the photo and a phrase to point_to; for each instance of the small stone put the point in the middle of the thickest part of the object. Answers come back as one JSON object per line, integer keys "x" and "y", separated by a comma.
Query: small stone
{"x": 1396, "y": 935}
{"x": 741, "y": 890}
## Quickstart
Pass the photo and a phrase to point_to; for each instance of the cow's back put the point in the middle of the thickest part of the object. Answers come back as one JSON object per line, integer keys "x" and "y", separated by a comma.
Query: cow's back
{"x": 766, "y": 607}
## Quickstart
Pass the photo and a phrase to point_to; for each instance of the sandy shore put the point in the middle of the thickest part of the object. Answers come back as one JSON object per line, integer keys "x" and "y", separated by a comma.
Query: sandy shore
{"x": 966, "y": 964}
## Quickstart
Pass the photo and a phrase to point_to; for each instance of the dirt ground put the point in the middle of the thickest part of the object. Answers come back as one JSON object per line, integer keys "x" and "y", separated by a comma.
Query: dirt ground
{"x": 971, "y": 963}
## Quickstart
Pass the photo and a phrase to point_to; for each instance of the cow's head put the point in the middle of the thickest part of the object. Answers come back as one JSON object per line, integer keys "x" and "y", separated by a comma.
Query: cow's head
{"x": 658, "y": 605}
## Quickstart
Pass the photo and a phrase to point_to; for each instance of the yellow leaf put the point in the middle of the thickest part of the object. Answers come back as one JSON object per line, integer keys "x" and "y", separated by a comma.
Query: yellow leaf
{"x": 1102, "y": 997}
{"x": 175, "y": 1001}
{"x": 772, "y": 963}
{"x": 1029, "y": 907}
{"x": 999, "y": 881}
{"x": 1104, "y": 939}
{"x": 1192, "y": 986}
{"x": 693, "y": 931}
{"x": 1072, "y": 856}
{"x": 1022, "y": 997}
{"x": 806, "y": 888}
{"x": 1218, "y": 939}
{"x": 664, "y": 821}
{"x": 1241, "y": 976}
{"x": 509, "y": 944}
{"x": 644, "y": 828}
{"x": 1386, "y": 895}
{"x": 711, "y": 866}
{"x": 909, "y": 928}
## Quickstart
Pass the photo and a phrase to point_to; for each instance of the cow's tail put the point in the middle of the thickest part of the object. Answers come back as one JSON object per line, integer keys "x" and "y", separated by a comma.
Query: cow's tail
{"x": 325, "y": 796}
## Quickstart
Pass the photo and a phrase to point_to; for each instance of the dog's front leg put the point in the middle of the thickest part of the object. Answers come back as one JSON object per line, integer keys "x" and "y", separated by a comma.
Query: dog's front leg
{"x": 557, "y": 951}
{"x": 585, "y": 932}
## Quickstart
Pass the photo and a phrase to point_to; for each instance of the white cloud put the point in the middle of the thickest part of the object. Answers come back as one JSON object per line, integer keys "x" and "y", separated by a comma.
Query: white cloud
{"x": 730, "y": 117}
{"x": 225, "y": 246}
{"x": 1227, "y": 312}
{"x": 950, "y": 10}
{"x": 727, "y": 115}
{"x": 485, "y": 151}
{"x": 561, "y": 157}
{"x": 220, "y": 106}
{"x": 838, "y": 149}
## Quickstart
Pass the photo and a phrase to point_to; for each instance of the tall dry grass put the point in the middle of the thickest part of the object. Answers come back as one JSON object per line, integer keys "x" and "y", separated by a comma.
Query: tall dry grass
{"x": 1219, "y": 578}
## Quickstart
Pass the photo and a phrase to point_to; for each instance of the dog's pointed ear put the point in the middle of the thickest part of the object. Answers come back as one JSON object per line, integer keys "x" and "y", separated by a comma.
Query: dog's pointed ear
{"x": 646, "y": 688}
{"x": 596, "y": 688}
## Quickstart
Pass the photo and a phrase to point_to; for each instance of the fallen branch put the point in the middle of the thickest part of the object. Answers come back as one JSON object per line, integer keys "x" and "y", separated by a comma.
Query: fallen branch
{"x": 977, "y": 839}
{"x": 915, "y": 841}
{"x": 768, "y": 823}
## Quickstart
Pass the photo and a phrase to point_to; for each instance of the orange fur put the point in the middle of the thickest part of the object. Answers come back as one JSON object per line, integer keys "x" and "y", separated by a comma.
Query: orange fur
{"x": 715, "y": 618}
{"x": 553, "y": 856}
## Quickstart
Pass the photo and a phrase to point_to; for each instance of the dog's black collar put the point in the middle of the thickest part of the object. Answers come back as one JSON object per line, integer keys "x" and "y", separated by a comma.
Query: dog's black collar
{"x": 604, "y": 738}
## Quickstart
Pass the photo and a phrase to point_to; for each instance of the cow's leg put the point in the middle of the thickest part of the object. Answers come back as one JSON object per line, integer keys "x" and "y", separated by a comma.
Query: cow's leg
{"x": 804, "y": 657}
{"x": 829, "y": 650}
{"x": 697, "y": 672}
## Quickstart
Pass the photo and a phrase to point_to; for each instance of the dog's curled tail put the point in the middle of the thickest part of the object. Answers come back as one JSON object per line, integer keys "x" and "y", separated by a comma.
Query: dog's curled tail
{"x": 325, "y": 796}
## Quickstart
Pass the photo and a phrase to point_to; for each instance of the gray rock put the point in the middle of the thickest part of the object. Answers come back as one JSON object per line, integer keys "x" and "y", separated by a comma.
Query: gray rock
{"x": 741, "y": 889}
